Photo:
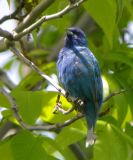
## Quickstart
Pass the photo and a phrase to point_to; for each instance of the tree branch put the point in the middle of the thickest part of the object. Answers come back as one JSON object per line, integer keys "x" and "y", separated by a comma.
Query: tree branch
{"x": 82, "y": 23}
{"x": 37, "y": 70}
{"x": 46, "y": 18}
{"x": 116, "y": 93}
{"x": 6, "y": 80}
{"x": 12, "y": 15}
{"x": 20, "y": 30}
{"x": 43, "y": 127}
{"x": 13, "y": 106}
{"x": 5, "y": 129}
{"x": 35, "y": 13}
{"x": 50, "y": 80}
{"x": 6, "y": 34}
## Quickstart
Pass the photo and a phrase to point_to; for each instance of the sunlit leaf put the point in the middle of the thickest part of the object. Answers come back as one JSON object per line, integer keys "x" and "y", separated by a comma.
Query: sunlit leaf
{"x": 5, "y": 151}
{"x": 4, "y": 102}
{"x": 104, "y": 13}
{"x": 112, "y": 140}
{"x": 26, "y": 146}
{"x": 72, "y": 134}
{"x": 30, "y": 104}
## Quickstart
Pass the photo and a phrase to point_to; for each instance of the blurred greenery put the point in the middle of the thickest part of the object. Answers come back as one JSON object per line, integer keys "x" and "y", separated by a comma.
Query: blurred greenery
{"x": 109, "y": 29}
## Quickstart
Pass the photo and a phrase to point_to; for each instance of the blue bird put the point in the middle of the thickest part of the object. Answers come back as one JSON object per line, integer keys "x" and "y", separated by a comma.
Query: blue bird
{"x": 79, "y": 74}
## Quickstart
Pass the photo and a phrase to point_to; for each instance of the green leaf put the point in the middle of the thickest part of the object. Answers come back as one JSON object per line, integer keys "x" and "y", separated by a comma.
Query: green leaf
{"x": 25, "y": 146}
{"x": 121, "y": 78}
{"x": 31, "y": 80}
{"x": 47, "y": 114}
{"x": 5, "y": 150}
{"x": 4, "y": 102}
{"x": 122, "y": 108}
{"x": 120, "y": 57}
{"x": 121, "y": 102}
{"x": 31, "y": 103}
{"x": 129, "y": 129}
{"x": 104, "y": 13}
{"x": 120, "y": 6}
{"x": 129, "y": 7}
{"x": 54, "y": 148}
{"x": 112, "y": 144}
{"x": 8, "y": 65}
{"x": 7, "y": 113}
{"x": 72, "y": 133}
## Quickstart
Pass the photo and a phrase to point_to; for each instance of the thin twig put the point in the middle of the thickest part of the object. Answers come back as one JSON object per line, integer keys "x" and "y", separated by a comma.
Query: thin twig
{"x": 116, "y": 93}
{"x": 36, "y": 127}
{"x": 46, "y": 77}
{"x": 34, "y": 14}
{"x": 55, "y": 126}
{"x": 21, "y": 30}
{"x": 37, "y": 70}
{"x": 65, "y": 112}
{"x": 58, "y": 107}
{"x": 12, "y": 15}
{"x": 104, "y": 112}
{"x": 50, "y": 80}
{"x": 13, "y": 106}
{"x": 82, "y": 23}
{"x": 43, "y": 127}
{"x": 46, "y": 18}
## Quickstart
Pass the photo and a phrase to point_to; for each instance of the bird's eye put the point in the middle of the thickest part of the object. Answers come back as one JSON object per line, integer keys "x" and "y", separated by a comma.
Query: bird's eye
{"x": 76, "y": 33}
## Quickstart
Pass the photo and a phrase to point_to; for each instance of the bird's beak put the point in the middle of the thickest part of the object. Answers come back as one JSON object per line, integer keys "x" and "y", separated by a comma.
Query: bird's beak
{"x": 69, "y": 33}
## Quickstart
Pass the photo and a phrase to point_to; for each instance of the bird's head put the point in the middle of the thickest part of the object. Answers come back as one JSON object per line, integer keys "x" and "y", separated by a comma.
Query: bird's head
{"x": 75, "y": 36}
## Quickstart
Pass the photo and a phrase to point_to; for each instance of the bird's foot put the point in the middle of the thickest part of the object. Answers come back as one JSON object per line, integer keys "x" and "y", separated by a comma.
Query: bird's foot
{"x": 91, "y": 138}
{"x": 67, "y": 97}
{"x": 79, "y": 102}
{"x": 57, "y": 107}
{"x": 58, "y": 104}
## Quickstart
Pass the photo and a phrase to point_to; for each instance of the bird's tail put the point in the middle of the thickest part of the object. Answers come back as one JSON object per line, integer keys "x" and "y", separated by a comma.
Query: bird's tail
{"x": 91, "y": 116}
{"x": 91, "y": 138}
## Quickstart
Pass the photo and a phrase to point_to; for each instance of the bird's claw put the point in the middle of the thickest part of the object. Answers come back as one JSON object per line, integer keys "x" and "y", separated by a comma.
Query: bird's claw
{"x": 67, "y": 97}
{"x": 57, "y": 106}
{"x": 79, "y": 102}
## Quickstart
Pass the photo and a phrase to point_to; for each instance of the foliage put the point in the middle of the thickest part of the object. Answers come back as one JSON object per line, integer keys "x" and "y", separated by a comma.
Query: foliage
{"x": 106, "y": 24}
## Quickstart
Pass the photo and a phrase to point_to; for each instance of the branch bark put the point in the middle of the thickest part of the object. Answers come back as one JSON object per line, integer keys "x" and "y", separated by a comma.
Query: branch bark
{"x": 12, "y": 15}
{"x": 82, "y": 23}
{"x": 21, "y": 29}
{"x": 6, "y": 80}
{"x": 116, "y": 93}
{"x": 6, "y": 34}
{"x": 5, "y": 129}
{"x": 43, "y": 127}
{"x": 35, "y": 13}
{"x": 37, "y": 70}
{"x": 44, "y": 19}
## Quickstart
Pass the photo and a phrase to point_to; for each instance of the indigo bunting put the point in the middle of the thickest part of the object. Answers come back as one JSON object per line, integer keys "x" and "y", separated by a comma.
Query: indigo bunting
{"x": 79, "y": 74}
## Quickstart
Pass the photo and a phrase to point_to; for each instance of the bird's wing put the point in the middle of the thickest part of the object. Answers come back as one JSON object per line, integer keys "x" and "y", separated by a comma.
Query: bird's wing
{"x": 79, "y": 73}
{"x": 89, "y": 76}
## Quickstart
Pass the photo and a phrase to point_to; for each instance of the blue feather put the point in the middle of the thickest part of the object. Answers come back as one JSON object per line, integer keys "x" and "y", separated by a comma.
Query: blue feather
{"x": 80, "y": 76}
